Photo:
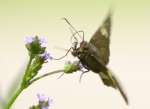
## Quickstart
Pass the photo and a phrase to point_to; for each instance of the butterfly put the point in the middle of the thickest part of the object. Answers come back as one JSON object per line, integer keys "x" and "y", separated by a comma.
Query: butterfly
{"x": 94, "y": 55}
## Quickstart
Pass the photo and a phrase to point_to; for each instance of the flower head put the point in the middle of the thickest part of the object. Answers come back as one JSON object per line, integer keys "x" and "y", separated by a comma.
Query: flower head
{"x": 42, "y": 97}
{"x": 71, "y": 67}
{"x": 35, "y": 45}
{"x": 44, "y": 102}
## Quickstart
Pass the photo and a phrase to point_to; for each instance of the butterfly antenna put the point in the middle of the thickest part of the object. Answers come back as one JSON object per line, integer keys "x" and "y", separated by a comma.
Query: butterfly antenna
{"x": 72, "y": 27}
{"x": 73, "y": 35}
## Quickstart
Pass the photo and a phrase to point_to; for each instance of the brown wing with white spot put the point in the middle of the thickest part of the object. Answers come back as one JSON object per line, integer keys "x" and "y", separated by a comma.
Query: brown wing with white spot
{"x": 101, "y": 41}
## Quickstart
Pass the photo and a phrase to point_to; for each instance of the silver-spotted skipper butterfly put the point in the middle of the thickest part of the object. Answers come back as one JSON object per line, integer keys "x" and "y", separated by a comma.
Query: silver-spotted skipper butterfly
{"x": 94, "y": 55}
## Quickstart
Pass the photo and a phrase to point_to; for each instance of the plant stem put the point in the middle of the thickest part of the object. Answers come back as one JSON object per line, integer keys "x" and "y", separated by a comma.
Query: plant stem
{"x": 28, "y": 66}
{"x": 45, "y": 75}
{"x": 18, "y": 92}
{"x": 14, "y": 97}
{"x": 12, "y": 100}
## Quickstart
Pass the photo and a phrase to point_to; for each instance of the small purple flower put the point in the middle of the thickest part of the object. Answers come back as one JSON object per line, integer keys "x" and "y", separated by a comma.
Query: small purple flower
{"x": 42, "y": 97}
{"x": 36, "y": 45}
{"x": 46, "y": 56}
{"x": 43, "y": 42}
{"x": 29, "y": 39}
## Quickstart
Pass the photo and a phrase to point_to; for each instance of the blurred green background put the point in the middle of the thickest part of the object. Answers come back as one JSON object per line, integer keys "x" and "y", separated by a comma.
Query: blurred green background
{"x": 130, "y": 50}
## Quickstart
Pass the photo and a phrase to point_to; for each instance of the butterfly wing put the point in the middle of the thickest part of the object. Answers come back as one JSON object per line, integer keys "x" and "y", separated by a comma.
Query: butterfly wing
{"x": 99, "y": 47}
{"x": 109, "y": 79}
{"x": 101, "y": 40}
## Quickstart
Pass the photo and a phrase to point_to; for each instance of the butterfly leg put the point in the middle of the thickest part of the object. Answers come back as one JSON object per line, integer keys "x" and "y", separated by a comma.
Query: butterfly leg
{"x": 60, "y": 75}
{"x": 83, "y": 72}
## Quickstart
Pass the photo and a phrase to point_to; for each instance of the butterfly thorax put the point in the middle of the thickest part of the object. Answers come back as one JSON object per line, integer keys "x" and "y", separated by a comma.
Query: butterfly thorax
{"x": 77, "y": 52}
{"x": 85, "y": 55}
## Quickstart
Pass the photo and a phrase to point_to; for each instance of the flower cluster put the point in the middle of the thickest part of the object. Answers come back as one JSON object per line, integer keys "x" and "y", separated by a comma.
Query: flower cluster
{"x": 43, "y": 102}
{"x": 35, "y": 45}
{"x": 38, "y": 56}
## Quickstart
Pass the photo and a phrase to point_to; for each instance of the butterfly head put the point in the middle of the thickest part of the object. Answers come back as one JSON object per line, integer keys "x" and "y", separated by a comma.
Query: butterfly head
{"x": 76, "y": 51}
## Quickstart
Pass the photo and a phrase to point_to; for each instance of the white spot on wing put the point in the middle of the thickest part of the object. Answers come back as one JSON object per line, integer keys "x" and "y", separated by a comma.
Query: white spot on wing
{"x": 104, "y": 32}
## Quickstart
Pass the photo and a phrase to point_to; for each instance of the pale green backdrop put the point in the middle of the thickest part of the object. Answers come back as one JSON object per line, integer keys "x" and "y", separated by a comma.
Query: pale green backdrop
{"x": 130, "y": 50}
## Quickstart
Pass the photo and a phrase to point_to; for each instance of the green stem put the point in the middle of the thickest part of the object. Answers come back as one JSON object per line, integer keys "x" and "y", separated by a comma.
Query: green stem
{"x": 45, "y": 75}
{"x": 14, "y": 97}
{"x": 12, "y": 100}
{"x": 18, "y": 92}
{"x": 28, "y": 65}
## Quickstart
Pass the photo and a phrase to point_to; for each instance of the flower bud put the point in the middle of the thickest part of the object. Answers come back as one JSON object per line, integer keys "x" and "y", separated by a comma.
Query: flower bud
{"x": 71, "y": 67}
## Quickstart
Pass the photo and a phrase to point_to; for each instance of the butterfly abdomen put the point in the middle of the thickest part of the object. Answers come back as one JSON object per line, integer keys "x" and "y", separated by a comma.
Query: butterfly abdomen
{"x": 90, "y": 62}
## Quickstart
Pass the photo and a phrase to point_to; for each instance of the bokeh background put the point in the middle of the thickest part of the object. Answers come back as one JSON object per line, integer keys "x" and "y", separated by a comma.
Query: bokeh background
{"x": 130, "y": 51}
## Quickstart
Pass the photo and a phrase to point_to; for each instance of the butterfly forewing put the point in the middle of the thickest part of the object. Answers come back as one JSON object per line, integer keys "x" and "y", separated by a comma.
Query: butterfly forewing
{"x": 101, "y": 41}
